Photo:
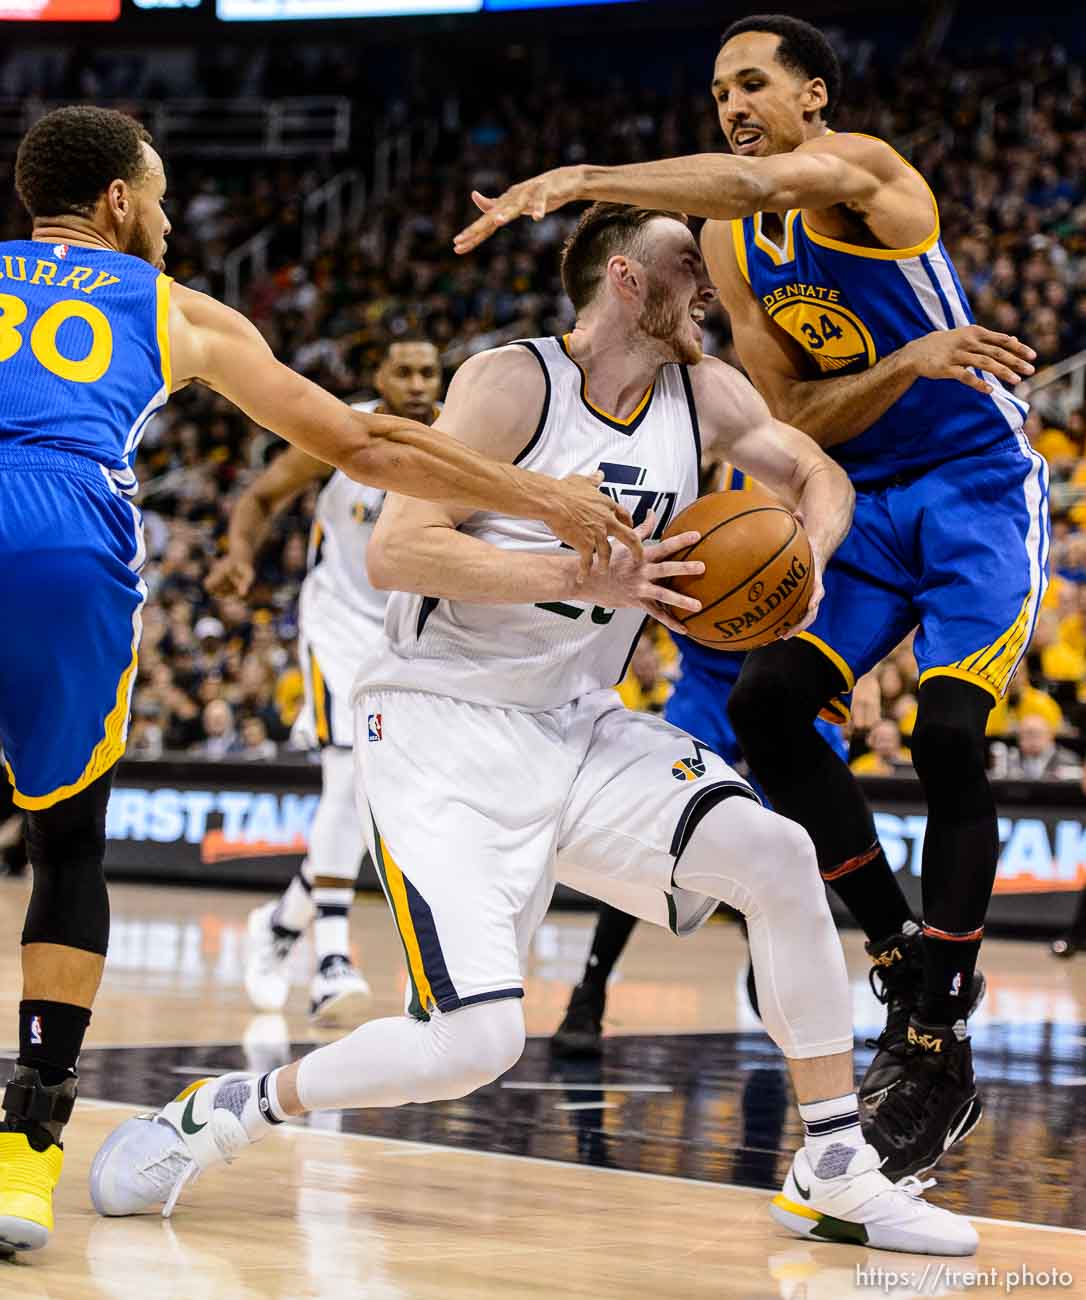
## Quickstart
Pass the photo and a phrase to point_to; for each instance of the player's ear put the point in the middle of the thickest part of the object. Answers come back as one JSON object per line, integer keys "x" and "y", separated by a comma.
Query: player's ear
{"x": 624, "y": 274}
{"x": 815, "y": 97}
{"x": 119, "y": 200}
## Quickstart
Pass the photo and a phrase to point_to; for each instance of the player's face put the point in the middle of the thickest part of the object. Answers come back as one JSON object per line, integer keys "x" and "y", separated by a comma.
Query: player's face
{"x": 409, "y": 380}
{"x": 760, "y": 103}
{"x": 677, "y": 291}
{"x": 149, "y": 225}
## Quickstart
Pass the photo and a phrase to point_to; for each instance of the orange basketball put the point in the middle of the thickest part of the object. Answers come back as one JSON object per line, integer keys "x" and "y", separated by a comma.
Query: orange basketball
{"x": 758, "y": 572}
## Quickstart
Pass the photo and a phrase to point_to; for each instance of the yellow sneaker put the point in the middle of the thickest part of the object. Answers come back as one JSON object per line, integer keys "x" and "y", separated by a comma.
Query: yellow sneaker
{"x": 27, "y": 1179}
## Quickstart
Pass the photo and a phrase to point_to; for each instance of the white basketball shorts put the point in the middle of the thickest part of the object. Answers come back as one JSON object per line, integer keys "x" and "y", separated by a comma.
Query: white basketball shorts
{"x": 476, "y": 811}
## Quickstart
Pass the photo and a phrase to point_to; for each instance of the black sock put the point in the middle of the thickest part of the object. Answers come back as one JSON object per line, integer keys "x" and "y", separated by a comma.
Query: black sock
{"x": 51, "y": 1038}
{"x": 867, "y": 887}
{"x": 613, "y": 931}
{"x": 949, "y": 966}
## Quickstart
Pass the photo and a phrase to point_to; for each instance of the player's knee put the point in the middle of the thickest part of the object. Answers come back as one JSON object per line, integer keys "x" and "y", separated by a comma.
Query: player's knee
{"x": 479, "y": 1044}
{"x": 69, "y": 904}
{"x": 779, "y": 864}
{"x": 772, "y": 695}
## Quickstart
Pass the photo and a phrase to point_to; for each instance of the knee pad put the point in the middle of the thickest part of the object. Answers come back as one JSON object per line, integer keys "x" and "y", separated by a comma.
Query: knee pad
{"x": 781, "y": 687}
{"x": 69, "y": 904}
{"x": 948, "y": 745}
{"x": 481, "y": 1042}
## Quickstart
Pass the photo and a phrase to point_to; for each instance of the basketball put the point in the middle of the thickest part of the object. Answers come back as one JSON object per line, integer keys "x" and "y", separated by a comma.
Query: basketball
{"x": 758, "y": 573}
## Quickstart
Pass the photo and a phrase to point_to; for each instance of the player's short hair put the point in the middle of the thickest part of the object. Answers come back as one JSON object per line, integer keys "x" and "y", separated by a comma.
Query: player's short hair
{"x": 409, "y": 339}
{"x": 803, "y": 49}
{"x": 68, "y": 159}
{"x": 603, "y": 230}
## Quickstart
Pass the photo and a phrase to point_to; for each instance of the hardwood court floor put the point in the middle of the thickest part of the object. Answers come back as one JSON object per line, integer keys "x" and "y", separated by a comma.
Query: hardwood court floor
{"x": 691, "y": 1087}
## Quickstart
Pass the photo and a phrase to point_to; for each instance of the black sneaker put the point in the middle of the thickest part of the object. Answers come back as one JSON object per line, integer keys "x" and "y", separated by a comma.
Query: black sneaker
{"x": 897, "y": 980}
{"x": 934, "y": 1104}
{"x": 581, "y": 1032}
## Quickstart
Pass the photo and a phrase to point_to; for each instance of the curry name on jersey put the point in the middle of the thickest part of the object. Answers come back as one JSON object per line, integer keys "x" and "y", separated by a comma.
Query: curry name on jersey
{"x": 84, "y": 352}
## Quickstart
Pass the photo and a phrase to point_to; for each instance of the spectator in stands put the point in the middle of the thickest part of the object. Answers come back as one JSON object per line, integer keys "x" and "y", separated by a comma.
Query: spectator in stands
{"x": 886, "y": 755}
{"x": 220, "y": 736}
{"x": 254, "y": 743}
{"x": 1037, "y": 757}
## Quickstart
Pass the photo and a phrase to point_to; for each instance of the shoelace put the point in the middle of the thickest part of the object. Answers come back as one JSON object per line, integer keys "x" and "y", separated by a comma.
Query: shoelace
{"x": 915, "y": 1187}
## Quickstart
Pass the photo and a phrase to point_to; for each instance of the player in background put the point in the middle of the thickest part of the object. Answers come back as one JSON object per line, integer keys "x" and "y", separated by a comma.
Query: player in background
{"x": 340, "y": 615}
{"x": 495, "y": 755}
{"x": 698, "y": 705}
{"x": 849, "y": 316}
{"x": 93, "y": 339}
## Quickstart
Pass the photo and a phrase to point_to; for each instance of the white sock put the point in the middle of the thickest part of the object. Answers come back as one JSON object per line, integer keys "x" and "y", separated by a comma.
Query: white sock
{"x": 296, "y": 908}
{"x": 832, "y": 1134}
{"x": 330, "y": 929}
{"x": 253, "y": 1099}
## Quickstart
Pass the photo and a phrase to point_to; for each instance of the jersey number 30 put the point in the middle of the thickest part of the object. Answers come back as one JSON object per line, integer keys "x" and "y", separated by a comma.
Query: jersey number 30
{"x": 43, "y": 337}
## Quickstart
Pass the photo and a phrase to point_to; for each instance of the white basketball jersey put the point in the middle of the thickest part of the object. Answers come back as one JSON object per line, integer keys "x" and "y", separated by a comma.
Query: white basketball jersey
{"x": 538, "y": 657}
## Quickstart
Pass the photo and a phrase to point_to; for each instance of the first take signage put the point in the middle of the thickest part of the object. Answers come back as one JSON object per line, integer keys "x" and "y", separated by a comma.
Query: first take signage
{"x": 237, "y": 823}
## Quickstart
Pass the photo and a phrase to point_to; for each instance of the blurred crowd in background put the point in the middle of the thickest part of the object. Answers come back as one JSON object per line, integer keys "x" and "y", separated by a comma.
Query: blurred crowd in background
{"x": 219, "y": 676}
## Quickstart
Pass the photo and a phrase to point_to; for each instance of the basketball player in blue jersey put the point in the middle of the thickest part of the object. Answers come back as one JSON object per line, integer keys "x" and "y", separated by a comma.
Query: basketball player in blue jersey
{"x": 850, "y": 318}
{"x": 699, "y": 705}
{"x": 93, "y": 338}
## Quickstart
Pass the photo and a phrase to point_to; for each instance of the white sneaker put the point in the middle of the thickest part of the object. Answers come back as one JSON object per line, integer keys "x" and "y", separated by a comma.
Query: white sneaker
{"x": 339, "y": 994}
{"x": 267, "y": 979}
{"x": 863, "y": 1208}
{"x": 149, "y": 1159}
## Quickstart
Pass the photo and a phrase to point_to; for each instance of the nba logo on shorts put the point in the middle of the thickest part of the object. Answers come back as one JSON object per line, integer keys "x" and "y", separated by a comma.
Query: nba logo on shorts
{"x": 35, "y": 1031}
{"x": 374, "y": 727}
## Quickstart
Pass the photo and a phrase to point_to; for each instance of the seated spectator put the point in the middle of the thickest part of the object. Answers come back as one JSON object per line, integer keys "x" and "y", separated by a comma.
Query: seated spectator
{"x": 1037, "y": 757}
{"x": 1022, "y": 698}
{"x": 145, "y": 735}
{"x": 886, "y": 755}
{"x": 220, "y": 737}
{"x": 254, "y": 743}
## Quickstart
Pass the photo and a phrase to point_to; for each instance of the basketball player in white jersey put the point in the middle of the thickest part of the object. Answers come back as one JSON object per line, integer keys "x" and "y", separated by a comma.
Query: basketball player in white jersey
{"x": 340, "y": 615}
{"x": 495, "y": 756}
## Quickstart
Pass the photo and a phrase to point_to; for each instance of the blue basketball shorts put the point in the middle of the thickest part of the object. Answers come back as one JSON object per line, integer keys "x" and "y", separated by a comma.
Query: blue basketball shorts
{"x": 960, "y": 553}
{"x": 71, "y": 549}
{"x": 699, "y": 703}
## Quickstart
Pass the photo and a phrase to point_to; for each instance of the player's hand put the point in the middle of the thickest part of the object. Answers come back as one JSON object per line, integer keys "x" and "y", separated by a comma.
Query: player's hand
{"x": 633, "y": 581}
{"x": 866, "y": 703}
{"x": 583, "y": 517}
{"x": 533, "y": 198}
{"x": 230, "y": 576}
{"x": 816, "y": 597}
{"x": 959, "y": 353}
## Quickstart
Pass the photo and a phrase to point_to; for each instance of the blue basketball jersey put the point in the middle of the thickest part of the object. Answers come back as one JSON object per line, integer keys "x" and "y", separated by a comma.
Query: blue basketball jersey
{"x": 848, "y": 306}
{"x": 84, "y": 352}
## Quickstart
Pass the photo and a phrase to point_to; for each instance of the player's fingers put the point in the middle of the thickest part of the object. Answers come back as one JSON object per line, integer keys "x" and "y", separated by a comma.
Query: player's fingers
{"x": 1012, "y": 360}
{"x": 481, "y": 201}
{"x": 1009, "y": 342}
{"x": 680, "y": 542}
{"x": 586, "y": 554}
{"x": 645, "y": 527}
{"x": 675, "y": 569}
{"x": 603, "y": 551}
{"x": 665, "y": 596}
{"x": 967, "y": 377}
{"x": 628, "y": 535}
{"x": 660, "y": 614}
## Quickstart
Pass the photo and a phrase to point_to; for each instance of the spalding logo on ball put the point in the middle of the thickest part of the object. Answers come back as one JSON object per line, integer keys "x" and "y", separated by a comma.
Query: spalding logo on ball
{"x": 758, "y": 570}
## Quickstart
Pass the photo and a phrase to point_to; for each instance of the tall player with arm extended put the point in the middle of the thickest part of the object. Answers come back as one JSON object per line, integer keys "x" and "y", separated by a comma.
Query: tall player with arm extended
{"x": 340, "y": 614}
{"x": 495, "y": 755}
{"x": 850, "y": 317}
{"x": 93, "y": 338}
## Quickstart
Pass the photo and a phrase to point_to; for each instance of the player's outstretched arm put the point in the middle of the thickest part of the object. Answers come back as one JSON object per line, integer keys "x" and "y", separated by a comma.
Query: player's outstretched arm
{"x": 821, "y": 173}
{"x": 273, "y": 489}
{"x": 217, "y": 346}
{"x": 838, "y": 408}
{"x": 494, "y": 405}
